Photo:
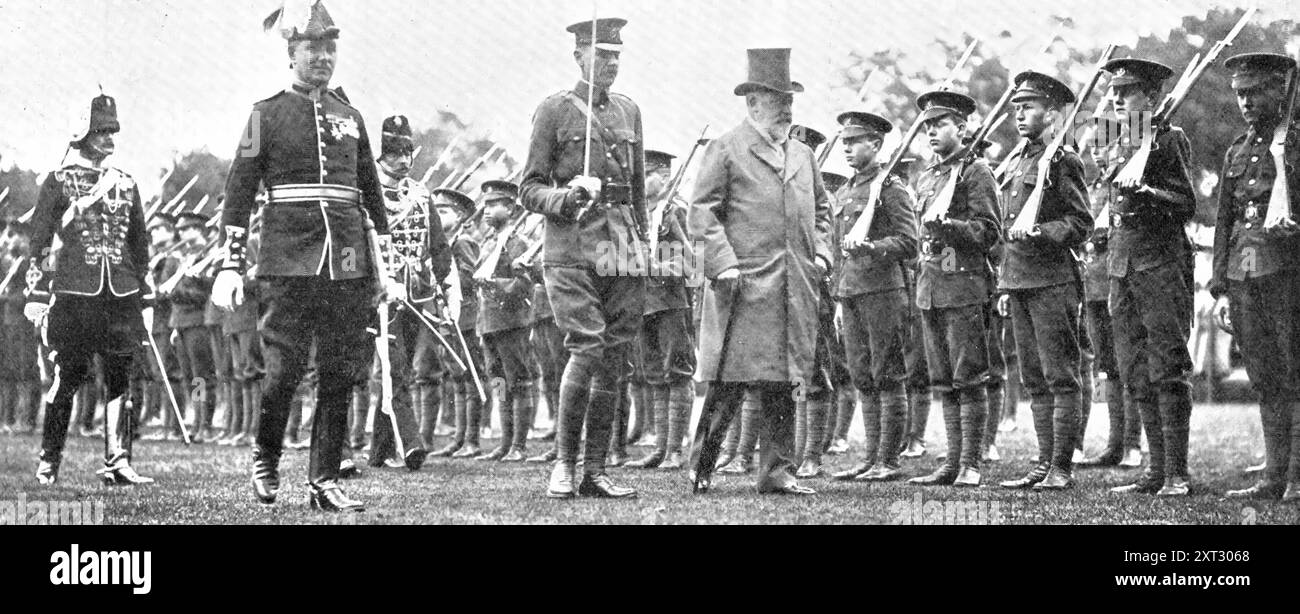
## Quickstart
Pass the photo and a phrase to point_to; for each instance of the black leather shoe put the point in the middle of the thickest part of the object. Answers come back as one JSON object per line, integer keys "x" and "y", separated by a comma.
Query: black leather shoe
{"x": 1034, "y": 476}
{"x": 495, "y": 455}
{"x": 881, "y": 473}
{"x": 415, "y": 458}
{"x": 649, "y": 462}
{"x": 853, "y": 472}
{"x": 602, "y": 487}
{"x": 968, "y": 477}
{"x": 1146, "y": 485}
{"x": 1262, "y": 490}
{"x": 446, "y": 451}
{"x": 1056, "y": 479}
{"x": 1110, "y": 458}
{"x": 545, "y": 457}
{"x": 47, "y": 473}
{"x": 266, "y": 477}
{"x": 809, "y": 469}
{"x": 561, "y": 484}
{"x": 1292, "y": 493}
{"x": 945, "y": 475}
{"x": 329, "y": 497}
{"x": 674, "y": 461}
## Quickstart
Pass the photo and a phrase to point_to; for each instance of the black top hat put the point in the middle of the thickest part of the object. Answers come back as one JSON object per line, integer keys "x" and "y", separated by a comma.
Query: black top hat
{"x": 1128, "y": 71}
{"x": 769, "y": 69}
{"x": 861, "y": 123}
{"x": 1030, "y": 84}
{"x": 455, "y": 198}
{"x": 942, "y": 102}
{"x": 1251, "y": 70}
{"x": 608, "y": 33}
{"x": 302, "y": 20}
{"x": 396, "y": 137}
{"x": 497, "y": 189}
{"x": 655, "y": 159}
{"x": 808, "y": 136}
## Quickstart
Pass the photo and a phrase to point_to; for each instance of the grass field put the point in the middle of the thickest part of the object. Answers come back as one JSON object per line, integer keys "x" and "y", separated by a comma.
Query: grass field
{"x": 205, "y": 484}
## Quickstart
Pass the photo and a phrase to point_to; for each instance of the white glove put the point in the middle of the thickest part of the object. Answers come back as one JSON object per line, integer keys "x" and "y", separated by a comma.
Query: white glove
{"x": 394, "y": 291}
{"x": 228, "y": 290}
{"x": 590, "y": 185}
{"x": 36, "y": 313}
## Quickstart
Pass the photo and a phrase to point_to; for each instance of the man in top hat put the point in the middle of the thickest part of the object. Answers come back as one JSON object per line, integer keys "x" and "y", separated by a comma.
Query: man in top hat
{"x": 505, "y": 318}
{"x": 189, "y": 290}
{"x": 954, "y": 284}
{"x": 1125, "y": 422}
{"x": 667, "y": 341}
{"x": 869, "y": 283}
{"x": 1039, "y": 281}
{"x": 317, "y": 268}
{"x": 453, "y": 207}
{"x": 1256, "y": 281}
{"x": 421, "y": 261}
{"x": 762, "y": 216}
{"x": 590, "y": 216}
{"x": 85, "y": 287}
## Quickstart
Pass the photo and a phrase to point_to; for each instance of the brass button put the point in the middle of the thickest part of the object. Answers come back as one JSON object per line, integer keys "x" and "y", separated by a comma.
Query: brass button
{"x": 1254, "y": 158}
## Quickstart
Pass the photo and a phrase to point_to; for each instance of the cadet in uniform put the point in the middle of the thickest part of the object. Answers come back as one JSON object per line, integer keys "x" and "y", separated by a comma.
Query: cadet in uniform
{"x": 86, "y": 287}
{"x": 667, "y": 352}
{"x": 318, "y": 275}
{"x": 188, "y": 291}
{"x": 453, "y": 207}
{"x": 1125, "y": 425}
{"x": 505, "y": 319}
{"x": 1256, "y": 281}
{"x": 870, "y": 286}
{"x": 249, "y": 370}
{"x": 421, "y": 261}
{"x": 954, "y": 284}
{"x": 19, "y": 376}
{"x": 587, "y": 217}
{"x": 1039, "y": 278}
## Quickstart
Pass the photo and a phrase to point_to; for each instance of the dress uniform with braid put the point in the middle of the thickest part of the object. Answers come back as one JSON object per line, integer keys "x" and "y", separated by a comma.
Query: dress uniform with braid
{"x": 86, "y": 287}
{"x": 1257, "y": 269}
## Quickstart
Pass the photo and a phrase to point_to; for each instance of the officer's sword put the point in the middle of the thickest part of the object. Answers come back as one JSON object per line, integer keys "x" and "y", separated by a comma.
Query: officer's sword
{"x": 465, "y": 365}
{"x": 167, "y": 382}
{"x": 591, "y": 101}
{"x": 381, "y": 349}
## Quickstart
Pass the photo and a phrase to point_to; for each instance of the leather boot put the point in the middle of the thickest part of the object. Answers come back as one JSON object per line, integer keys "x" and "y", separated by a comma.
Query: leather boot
{"x": 1276, "y": 456}
{"x": 575, "y": 388}
{"x": 600, "y": 416}
{"x": 329, "y": 497}
{"x": 1175, "y": 415}
{"x": 946, "y": 474}
{"x": 266, "y": 474}
{"x": 657, "y": 396}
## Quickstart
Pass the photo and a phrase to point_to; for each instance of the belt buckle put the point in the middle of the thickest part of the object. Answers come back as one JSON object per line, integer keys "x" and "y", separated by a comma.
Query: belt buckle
{"x": 617, "y": 193}
{"x": 1116, "y": 220}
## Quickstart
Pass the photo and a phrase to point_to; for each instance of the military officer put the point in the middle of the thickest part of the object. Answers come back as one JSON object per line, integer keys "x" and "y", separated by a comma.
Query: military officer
{"x": 667, "y": 352}
{"x": 762, "y": 215}
{"x": 870, "y": 285}
{"x": 317, "y": 271}
{"x": 954, "y": 284}
{"x": 589, "y": 216}
{"x": 421, "y": 261}
{"x": 1256, "y": 281}
{"x": 86, "y": 287}
{"x": 1039, "y": 282}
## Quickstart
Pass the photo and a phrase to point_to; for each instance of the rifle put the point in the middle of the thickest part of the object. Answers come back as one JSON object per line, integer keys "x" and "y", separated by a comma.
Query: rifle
{"x": 1001, "y": 171}
{"x": 441, "y": 159}
{"x": 1132, "y": 172}
{"x": 1279, "y": 201}
{"x": 4, "y": 195}
{"x": 858, "y": 233}
{"x": 657, "y": 218}
{"x": 1028, "y": 216}
{"x": 454, "y": 182}
{"x": 175, "y": 199}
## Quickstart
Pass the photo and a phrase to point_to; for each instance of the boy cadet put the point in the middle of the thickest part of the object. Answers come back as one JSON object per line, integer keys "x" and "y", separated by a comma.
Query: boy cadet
{"x": 505, "y": 319}
{"x": 589, "y": 216}
{"x": 667, "y": 352}
{"x": 453, "y": 208}
{"x": 954, "y": 284}
{"x": 189, "y": 293}
{"x": 1039, "y": 281}
{"x": 870, "y": 286}
{"x": 86, "y": 288}
{"x": 317, "y": 272}
{"x": 1125, "y": 424}
{"x": 1257, "y": 266}
{"x": 1151, "y": 288}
